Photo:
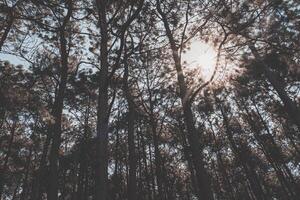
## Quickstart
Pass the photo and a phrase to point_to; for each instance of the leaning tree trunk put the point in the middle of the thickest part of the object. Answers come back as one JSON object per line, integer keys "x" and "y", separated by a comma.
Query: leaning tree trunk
{"x": 204, "y": 186}
{"x": 268, "y": 150}
{"x": 10, "y": 21}
{"x": 247, "y": 166}
{"x": 222, "y": 168}
{"x": 289, "y": 105}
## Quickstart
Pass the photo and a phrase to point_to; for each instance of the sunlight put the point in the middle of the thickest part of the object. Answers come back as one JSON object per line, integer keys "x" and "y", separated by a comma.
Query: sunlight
{"x": 202, "y": 56}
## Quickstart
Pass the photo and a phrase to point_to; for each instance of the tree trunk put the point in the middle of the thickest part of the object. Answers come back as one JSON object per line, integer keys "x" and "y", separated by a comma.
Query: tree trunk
{"x": 289, "y": 105}
{"x": 26, "y": 170}
{"x": 187, "y": 155}
{"x": 147, "y": 175}
{"x": 101, "y": 160}
{"x": 83, "y": 156}
{"x": 242, "y": 157}
{"x": 132, "y": 185}
{"x": 204, "y": 186}
{"x": 10, "y": 20}
{"x": 155, "y": 137}
{"x": 38, "y": 182}
{"x": 220, "y": 163}
{"x": 55, "y": 128}
{"x": 269, "y": 146}
{"x": 6, "y": 159}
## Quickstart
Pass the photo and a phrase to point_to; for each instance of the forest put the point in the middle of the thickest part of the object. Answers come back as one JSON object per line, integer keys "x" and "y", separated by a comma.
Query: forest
{"x": 149, "y": 99}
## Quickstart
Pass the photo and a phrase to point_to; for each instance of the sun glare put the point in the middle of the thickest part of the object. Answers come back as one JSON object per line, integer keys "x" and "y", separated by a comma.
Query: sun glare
{"x": 200, "y": 56}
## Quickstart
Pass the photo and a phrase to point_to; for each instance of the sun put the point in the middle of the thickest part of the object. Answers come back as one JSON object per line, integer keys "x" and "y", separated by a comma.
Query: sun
{"x": 202, "y": 56}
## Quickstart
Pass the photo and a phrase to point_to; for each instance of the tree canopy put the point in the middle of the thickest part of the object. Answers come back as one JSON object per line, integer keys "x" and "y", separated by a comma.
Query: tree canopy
{"x": 98, "y": 101}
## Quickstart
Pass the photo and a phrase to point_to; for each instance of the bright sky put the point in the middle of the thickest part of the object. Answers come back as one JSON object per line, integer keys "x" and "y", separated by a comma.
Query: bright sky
{"x": 13, "y": 59}
{"x": 201, "y": 56}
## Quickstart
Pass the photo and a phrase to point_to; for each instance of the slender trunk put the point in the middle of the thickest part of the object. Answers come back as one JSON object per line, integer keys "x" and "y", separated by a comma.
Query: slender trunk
{"x": 157, "y": 156}
{"x": 241, "y": 155}
{"x": 270, "y": 159}
{"x": 116, "y": 181}
{"x": 204, "y": 182}
{"x": 82, "y": 169}
{"x": 140, "y": 188}
{"x": 290, "y": 106}
{"x": 101, "y": 160}
{"x": 272, "y": 152}
{"x": 52, "y": 190}
{"x": 289, "y": 136}
{"x": 155, "y": 137}
{"x": 203, "y": 179}
{"x": 63, "y": 184}
{"x": 221, "y": 165}
{"x": 38, "y": 183}
{"x": 15, "y": 192}
{"x": 10, "y": 20}
{"x": 7, "y": 156}
{"x": 86, "y": 184}
{"x": 82, "y": 161}
{"x": 24, "y": 193}
{"x": 152, "y": 172}
{"x": 147, "y": 175}
{"x": 132, "y": 184}
{"x": 55, "y": 128}
{"x": 218, "y": 183}
{"x": 187, "y": 155}
{"x": 158, "y": 162}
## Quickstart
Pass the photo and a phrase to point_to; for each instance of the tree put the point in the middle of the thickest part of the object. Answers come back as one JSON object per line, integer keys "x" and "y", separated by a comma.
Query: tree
{"x": 97, "y": 102}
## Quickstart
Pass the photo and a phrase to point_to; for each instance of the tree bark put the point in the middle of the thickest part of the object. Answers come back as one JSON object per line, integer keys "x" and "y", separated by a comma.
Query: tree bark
{"x": 6, "y": 158}
{"x": 155, "y": 137}
{"x": 289, "y": 105}
{"x": 241, "y": 155}
{"x": 132, "y": 185}
{"x": 24, "y": 193}
{"x": 225, "y": 177}
{"x": 101, "y": 160}
{"x": 55, "y": 128}
{"x": 272, "y": 153}
{"x": 38, "y": 182}
{"x": 10, "y": 20}
{"x": 204, "y": 186}
{"x": 83, "y": 162}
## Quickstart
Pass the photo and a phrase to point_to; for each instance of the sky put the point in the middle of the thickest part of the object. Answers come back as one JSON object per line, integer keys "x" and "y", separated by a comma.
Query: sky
{"x": 201, "y": 56}
{"x": 12, "y": 59}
